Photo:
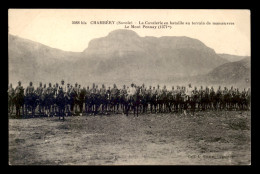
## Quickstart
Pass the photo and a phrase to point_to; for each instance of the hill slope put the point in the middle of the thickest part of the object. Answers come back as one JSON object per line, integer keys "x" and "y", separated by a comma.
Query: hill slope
{"x": 232, "y": 58}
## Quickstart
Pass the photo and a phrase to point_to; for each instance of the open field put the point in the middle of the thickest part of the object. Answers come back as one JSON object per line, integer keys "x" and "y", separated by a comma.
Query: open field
{"x": 208, "y": 138}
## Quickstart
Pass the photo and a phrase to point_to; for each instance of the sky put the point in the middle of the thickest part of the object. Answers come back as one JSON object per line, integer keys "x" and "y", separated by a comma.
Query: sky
{"x": 54, "y": 28}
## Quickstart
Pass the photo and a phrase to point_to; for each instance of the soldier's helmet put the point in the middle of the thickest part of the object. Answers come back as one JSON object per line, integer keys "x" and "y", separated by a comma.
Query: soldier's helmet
{"x": 76, "y": 84}
{"x": 132, "y": 84}
{"x": 68, "y": 84}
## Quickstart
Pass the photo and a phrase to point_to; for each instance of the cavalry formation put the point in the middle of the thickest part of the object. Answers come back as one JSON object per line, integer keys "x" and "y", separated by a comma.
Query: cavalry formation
{"x": 61, "y": 100}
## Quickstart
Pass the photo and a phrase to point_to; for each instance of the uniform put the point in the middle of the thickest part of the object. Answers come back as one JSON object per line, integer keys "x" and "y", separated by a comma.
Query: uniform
{"x": 39, "y": 90}
{"x": 131, "y": 91}
{"x": 103, "y": 91}
{"x": 10, "y": 91}
{"x": 63, "y": 87}
{"x": 29, "y": 90}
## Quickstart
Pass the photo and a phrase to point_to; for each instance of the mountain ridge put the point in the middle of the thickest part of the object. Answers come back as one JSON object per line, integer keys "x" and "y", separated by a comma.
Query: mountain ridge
{"x": 124, "y": 57}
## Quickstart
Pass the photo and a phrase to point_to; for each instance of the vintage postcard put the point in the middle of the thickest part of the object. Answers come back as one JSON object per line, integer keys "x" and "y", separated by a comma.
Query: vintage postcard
{"x": 129, "y": 87}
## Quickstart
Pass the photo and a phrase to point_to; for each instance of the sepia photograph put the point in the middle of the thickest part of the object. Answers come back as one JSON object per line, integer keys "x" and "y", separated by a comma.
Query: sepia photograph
{"x": 109, "y": 87}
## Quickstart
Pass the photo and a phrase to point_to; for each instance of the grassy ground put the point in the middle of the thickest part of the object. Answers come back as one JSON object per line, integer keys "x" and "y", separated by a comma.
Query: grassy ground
{"x": 208, "y": 138}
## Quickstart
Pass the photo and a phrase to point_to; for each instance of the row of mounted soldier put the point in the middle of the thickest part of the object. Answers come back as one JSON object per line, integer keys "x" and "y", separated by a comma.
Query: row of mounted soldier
{"x": 65, "y": 100}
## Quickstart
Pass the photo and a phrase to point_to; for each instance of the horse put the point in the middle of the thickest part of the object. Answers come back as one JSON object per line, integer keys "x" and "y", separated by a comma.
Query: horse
{"x": 219, "y": 100}
{"x": 30, "y": 103}
{"x": 68, "y": 102}
{"x": 87, "y": 102}
{"x": 10, "y": 101}
{"x": 144, "y": 97}
{"x": 153, "y": 102}
{"x": 179, "y": 101}
{"x": 123, "y": 101}
{"x": 114, "y": 101}
{"x": 81, "y": 99}
{"x": 212, "y": 100}
{"x": 61, "y": 102}
{"x": 73, "y": 101}
{"x": 40, "y": 102}
{"x": 193, "y": 101}
{"x": 169, "y": 101}
{"x": 135, "y": 102}
{"x": 93, "y": 103}
{"x": 19, "y": 101}
{"x": 48, "y": 103}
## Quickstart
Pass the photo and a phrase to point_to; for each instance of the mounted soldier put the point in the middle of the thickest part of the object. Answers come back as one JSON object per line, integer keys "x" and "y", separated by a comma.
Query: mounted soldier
{"x": 219, "y": 98}
{"x": 67, "y": 99}
{"x": 87, "y": 100}
{"x": 213, "y": 101}
{"x": 63, "y": 86}
{"x": 10, "y": 99}
{"x": 123, "y": 98}
{"x": 201, "y": 98}
{"x": 74, "y": 98}
{"x": 56, "y": 92}
{"x": 61, "y": 102}
{"x": 81, "y": 99}
{"x": 130, "y": 94}
{"x": 231, "y": 93}
{"x": 19, "y": 99}
{"x": 226, "y": 98}
{"x": 49, "y": 100}
{"x": 163, "y": 99}
{"x": 188, "y": 98}
{"x": 195, "y": 98}
{"x": 92, "y": 99}
{"x": 149, "y": 97}
{"x": 103, "y": 99}
{"x": 40, "y": 97}
{"x": 30, "y": 99}
{"x": 114, "y": 98}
